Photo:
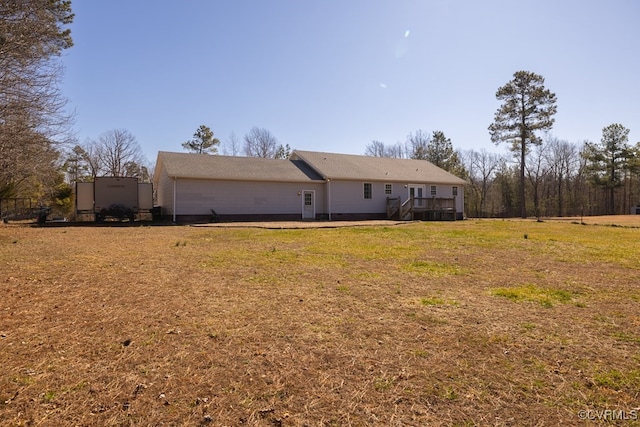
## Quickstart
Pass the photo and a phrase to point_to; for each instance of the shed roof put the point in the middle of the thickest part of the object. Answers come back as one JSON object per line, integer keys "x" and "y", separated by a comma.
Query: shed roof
{"x": 206, "y": 166}
{"x": 368, "y": 168}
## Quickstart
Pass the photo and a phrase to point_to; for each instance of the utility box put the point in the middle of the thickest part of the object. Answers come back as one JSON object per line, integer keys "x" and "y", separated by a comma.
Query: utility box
{"x": 114, "y": 198}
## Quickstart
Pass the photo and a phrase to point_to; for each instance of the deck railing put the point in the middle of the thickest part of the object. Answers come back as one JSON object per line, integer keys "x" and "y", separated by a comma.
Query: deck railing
{"x": 422, "y": 208}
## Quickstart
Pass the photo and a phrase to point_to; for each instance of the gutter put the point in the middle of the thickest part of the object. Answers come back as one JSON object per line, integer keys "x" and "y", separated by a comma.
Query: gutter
{"x": 175, "y": 185}
{"x": 329, "y": 197}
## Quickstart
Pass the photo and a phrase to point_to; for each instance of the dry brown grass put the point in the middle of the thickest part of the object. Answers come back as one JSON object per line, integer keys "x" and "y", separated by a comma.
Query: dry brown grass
{"x": 375, "y": 325}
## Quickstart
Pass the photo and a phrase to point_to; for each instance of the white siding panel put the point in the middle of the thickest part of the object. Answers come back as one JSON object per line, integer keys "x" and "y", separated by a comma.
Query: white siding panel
{"x": 164, "y": 188}
{"x": 348, "y": 197}
{"x": 198, "y": 197}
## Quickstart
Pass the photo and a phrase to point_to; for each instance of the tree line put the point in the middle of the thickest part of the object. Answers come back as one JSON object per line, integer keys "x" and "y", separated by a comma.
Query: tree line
{"x": 40, "y": 159}
{"x": 546, "y": 176}
{"x": 33, "y": 123}
{"x": 258, "y": 142}
{"x": 561, "y": 178}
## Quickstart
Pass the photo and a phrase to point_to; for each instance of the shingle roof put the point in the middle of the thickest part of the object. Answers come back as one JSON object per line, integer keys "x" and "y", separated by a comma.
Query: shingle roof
{"x": 304, "y": 166}
{"x": 206, "y": 166}
{"x": 367, "y": 168}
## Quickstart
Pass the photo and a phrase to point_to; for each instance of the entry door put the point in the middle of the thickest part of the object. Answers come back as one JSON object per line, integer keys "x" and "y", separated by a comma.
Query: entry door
{"x": 417, "y": 191}
{"x": 308, "y": 204}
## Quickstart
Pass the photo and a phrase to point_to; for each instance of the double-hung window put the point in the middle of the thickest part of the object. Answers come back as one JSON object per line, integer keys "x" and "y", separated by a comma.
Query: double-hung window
{"x": 368, "y": 192}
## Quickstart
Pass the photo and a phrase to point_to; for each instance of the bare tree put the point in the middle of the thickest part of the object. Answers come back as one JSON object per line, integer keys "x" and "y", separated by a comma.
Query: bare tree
{"x": 536, "y": 172}
{"x": 91, "y": 158}
{"x": 396, "y": 151}
{"x": 118, "y": 153}
{"x": 562, "y": 158}
{"x": 418, "y": 145}
{"x": 375, "y": 149}
{"x": 232, "y": 146}
{"x": 259, "y": 142}
{"x": 380, "y": 149}
{"x": 481, "y": 166}
{"x": 32, "y": 116}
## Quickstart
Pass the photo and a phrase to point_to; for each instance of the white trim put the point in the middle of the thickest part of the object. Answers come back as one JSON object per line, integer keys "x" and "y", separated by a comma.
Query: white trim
{"x": 313, "y": 203}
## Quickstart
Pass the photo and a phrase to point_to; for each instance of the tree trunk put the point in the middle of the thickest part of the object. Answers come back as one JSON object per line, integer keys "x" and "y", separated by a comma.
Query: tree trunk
{"x": 523, "y": 203}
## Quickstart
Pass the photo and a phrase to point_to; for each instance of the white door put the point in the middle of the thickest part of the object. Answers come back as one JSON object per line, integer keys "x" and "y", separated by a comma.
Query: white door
{"x": 417, "y": 191}
{"x": 308, "y": 204}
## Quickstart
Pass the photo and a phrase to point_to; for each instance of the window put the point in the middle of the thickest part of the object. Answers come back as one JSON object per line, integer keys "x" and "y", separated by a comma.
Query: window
{"x": 388, "y": 189}
{"x": 367, "y": 190}
{"x": 434, "y": 191}
{"x": 308, "y": 199}
{"x": 455, "y": 191}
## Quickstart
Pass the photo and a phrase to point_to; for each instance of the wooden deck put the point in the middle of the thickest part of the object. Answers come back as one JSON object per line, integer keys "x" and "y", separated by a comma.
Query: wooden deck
{"x": 422, "y": 208}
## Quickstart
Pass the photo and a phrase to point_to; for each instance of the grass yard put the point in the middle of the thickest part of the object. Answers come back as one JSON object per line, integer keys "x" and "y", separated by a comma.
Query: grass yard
{"x": 469, "y": 323}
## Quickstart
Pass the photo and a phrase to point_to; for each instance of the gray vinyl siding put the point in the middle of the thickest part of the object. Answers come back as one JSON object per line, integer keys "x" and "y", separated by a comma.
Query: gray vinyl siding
{"x": 348, "y": 197}
{"x": 238, "y": 186}
{"x": 198, "y": 197}
{"x": 164, "y": 186}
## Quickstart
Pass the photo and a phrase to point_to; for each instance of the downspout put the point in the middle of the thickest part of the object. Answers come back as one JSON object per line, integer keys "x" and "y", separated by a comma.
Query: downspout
{"x": 329, "y": 198}
{"x": 175, "y": 185}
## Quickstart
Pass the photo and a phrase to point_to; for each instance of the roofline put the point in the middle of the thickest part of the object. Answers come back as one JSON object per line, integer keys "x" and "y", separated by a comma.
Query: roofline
{"x": 334, "y": 178}
{"x": 245, "y": 179}
{"x": 323, "y": 176}
{"x": 321, "y": 181}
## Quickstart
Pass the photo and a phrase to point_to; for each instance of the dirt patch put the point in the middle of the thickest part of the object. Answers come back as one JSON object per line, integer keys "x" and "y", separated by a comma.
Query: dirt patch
{"x": 621, "y": 220}
{"x": 303, "y": 224}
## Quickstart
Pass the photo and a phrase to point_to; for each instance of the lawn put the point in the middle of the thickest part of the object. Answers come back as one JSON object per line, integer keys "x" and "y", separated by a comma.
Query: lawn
{"x": 491, "y": 322}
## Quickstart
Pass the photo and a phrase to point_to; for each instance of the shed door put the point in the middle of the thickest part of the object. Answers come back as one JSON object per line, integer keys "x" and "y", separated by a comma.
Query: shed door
{"x": 308, "y": 204}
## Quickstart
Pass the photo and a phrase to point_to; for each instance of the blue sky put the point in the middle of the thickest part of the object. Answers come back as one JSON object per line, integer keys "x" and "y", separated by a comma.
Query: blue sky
{"x": 333, "y": 75}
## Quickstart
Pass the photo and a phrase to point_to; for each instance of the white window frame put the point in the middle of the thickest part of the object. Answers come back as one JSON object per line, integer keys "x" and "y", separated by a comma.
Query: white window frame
{"x": 388, "y": 189}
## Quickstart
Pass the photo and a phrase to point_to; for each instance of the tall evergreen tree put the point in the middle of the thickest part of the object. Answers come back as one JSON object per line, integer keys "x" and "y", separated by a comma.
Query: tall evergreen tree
{"x": 283, "y": 152}
{"x": 527, "y": 107}
{"x": 607, "y": 160}
{"x": 440, "y": 152}
{"x": 203, "y": 142}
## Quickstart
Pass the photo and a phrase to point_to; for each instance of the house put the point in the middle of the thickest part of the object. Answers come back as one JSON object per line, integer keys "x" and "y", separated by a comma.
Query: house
{"x": 309, "y": 185}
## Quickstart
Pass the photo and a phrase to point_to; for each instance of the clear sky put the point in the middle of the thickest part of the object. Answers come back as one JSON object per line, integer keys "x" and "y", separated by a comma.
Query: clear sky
{"x": 334, "y": 75}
